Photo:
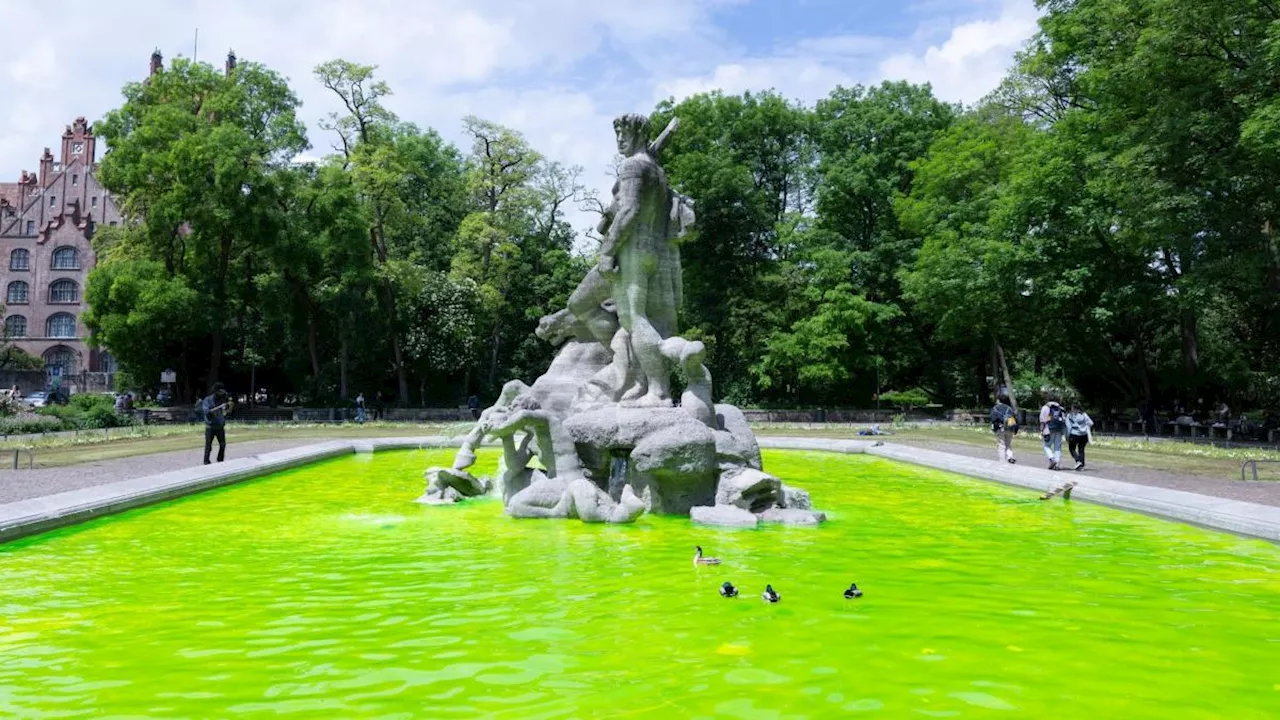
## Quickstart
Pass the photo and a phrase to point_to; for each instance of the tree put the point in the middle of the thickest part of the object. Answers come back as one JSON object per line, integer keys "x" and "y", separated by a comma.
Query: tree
{"x": 194, "y": 160}
{"x": 409, "y": 180}
{"x": 515, "y": 244}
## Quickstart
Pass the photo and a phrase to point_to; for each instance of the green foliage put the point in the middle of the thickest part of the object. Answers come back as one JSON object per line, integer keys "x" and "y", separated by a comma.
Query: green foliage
{"x": 906, "y": 399}
{"x": 29, "y": 424}
{"x": 15, "y": 358}
{"x": 1104, "y": 225}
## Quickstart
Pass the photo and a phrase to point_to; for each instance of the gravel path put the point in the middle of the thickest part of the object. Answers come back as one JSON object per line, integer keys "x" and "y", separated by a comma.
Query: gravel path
{"x": 1261, "y": 492}
{"x": 25, "y": 484}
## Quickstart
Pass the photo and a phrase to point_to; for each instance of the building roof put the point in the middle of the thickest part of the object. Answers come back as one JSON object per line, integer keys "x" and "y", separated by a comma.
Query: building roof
{"x": 12, "y": 192}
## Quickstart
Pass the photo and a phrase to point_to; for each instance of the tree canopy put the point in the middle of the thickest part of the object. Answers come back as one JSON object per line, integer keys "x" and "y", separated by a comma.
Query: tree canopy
{"x": 1103, "y": 223}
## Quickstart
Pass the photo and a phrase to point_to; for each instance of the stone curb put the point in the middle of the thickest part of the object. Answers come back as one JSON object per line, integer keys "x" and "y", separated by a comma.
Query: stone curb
{"x": 37, "y": 515}
{"x": 1243, "y": 518}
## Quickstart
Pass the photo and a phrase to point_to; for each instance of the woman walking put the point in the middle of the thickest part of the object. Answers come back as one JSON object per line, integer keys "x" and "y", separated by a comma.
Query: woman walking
{"x": 1079, "y": 430}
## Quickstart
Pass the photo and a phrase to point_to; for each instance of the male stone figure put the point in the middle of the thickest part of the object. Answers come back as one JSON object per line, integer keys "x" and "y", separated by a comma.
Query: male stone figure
{"x": 639, "y": 265}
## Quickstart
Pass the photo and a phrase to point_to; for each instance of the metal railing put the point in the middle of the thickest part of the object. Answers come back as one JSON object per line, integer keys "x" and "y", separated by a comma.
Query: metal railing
{"x": 31, "y": 457}
{"x": 1254, "y": 465}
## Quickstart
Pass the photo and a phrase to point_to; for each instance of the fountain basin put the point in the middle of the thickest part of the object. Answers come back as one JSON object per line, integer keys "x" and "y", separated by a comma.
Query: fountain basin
{"x": 323, "y": 591}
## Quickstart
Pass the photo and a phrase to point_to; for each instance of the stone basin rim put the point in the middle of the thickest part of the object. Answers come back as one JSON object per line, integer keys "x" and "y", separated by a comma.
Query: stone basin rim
{"x": 37, "y": 515}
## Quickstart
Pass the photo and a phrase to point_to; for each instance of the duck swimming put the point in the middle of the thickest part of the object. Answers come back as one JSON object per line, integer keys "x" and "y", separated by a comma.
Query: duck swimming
{"x": 698, "y": 559}
{"x": 852, "y": 592}
{"x": 770, "y": 595}
{"x": 728, "y": 590}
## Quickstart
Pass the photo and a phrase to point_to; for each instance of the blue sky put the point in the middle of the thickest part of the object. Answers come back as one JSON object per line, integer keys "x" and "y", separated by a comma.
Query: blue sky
{"x": 556, "y": 70}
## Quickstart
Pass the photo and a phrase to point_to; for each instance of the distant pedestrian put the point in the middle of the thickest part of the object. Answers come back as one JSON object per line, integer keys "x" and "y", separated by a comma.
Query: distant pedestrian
{"x": 1079, "y": 432}
{"x": 1053, "y": 424}
{"x": 377, "y": 405}
{"x": 360, "y": 408}
{"x": 1004, "y": 423}
{"x": 473, "y": 404}
{"x": 214, "y": 409}
{"x": 120, "y": 404}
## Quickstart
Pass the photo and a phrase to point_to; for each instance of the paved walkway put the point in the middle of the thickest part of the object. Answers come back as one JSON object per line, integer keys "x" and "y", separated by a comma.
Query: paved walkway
{"x": 25, "y": 484}
{"x": 1262, "y": 492}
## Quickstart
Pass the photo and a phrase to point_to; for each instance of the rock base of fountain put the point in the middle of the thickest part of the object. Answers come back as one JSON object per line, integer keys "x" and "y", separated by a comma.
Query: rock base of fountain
{"x": 446, "y": 486}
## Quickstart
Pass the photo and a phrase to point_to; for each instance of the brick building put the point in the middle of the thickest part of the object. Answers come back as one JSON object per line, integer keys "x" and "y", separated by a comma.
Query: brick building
{"x": 46, "y": 222}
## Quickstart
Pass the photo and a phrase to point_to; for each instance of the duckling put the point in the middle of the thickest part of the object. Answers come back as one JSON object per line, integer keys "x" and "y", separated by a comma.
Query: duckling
{"x": 728, "y": 590}
{"x": 698, "y": 559}
{"x": 770, "y": 595}
{"x": 852, "y": 592}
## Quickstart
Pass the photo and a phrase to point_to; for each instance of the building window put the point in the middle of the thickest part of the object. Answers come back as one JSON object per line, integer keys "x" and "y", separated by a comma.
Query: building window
{"x": 62, "y": 325}
{"x": 20, "y": 259}
{"x": 63, "y": 357}
{"x": 17, "y": 294}
{"x": 66, "y": 258}
{"x": 53, "y": 200}
{"x": 75, "y": 180}
{"x": 93, "y": 201}
{"x": 31, "y": 227}
{"x": 77, "y": 148}
{"x": 64, "y": 291}
{"x": 15, "y": 326}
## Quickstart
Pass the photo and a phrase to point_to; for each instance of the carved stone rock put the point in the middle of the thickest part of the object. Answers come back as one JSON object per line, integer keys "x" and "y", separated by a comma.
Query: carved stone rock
{"x": 723, "y": 516}
{"x": 752, "y": 490}
{"x": 790, "y": 516}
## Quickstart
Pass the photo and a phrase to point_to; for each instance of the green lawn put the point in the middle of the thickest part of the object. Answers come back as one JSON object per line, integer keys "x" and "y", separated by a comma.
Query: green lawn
{"x": 1169, "y": 455}
{"x": 93, "y": 446}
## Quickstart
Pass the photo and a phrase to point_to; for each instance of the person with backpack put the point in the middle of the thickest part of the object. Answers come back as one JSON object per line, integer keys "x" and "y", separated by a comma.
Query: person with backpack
{"x": 1053, "y": 424}
{"x": 1079, "y": 431}
{"x": 1004, "y": 423}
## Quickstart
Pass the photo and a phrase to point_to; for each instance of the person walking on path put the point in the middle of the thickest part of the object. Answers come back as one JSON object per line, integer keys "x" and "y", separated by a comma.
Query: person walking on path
{"x": 1004, "y": 423}
{"x": 360, "y": 408}
{"x": 1053, "y": 423}
{"x": 1079, "y": 432}
{"x": 214, "y": 409}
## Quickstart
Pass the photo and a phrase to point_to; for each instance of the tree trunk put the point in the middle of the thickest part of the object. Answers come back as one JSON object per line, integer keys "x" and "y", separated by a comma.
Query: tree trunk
{"x": 311, "y": 348}
{"x": 342, "y": 367}
{"x": 215, "y": 357}
{"x": 1002, "y": 367}
{"x": 219, "y": 309}
{"x": 1190, "y": 343}
{"x": 980, "y": 380}
{"x": 493, "y": 355}
{"x": 402, "y": 374}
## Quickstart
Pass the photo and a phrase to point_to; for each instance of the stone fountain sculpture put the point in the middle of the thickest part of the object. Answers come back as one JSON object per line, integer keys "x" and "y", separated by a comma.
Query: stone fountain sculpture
{"x": 599, "y": 436}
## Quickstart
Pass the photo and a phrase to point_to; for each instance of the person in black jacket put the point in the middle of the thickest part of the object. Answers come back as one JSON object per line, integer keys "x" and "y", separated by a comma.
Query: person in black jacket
{"x": 214, "y": 409}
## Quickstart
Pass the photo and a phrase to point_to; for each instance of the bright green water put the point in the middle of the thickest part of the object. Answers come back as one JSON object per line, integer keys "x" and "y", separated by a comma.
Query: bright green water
{"x": 324, "y": 592}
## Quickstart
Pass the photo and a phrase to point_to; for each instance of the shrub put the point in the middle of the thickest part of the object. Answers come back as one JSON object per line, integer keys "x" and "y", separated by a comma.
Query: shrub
{"x": 89, "y": 401}
{"x": 906, "y": 399}
{"x": 10, "y": 405}
{"x": 28, "y": 423}
{"x": 69, "y": 414}
{"x": 100, "y": 416}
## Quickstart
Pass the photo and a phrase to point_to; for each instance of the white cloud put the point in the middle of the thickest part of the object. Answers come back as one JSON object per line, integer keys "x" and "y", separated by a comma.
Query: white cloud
{"x": 973, "y": 60}
{"x": 964, "y": 67}
{"x": 799, "y": 78}
{"x": 556, "y": 70}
